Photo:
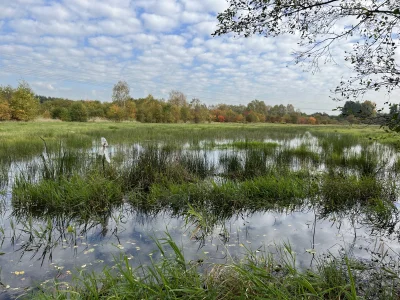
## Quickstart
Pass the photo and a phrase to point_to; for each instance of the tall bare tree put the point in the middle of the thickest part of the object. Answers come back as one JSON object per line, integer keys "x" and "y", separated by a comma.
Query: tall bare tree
{"x": 121, "y": 93}
{"x": 177, "y": 98}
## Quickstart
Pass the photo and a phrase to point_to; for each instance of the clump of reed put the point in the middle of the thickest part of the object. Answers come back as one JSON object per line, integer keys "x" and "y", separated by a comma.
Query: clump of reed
{"x": 366, "y": 163}
{"x": 232, "y": 165}
{"x": 381, "y": 214}
{"x": 84, "y": 195}
{"x": 337, "y": 143}
{"x": 339, "y": 190}
{"x": 4, "y": 170}
{"x": 155, "y": 165}
{"x": 246, "y": 165}
{"x": 302, "y": 153}
{"x": 262, "y": 192}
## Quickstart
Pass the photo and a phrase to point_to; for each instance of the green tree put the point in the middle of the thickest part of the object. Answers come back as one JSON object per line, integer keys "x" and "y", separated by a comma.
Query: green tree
{"x": 78, "y": 112}
{"x": 368, "y": 109}
{"x": 61, "y": 113}
{"x": 290, "y": 109}
{"x": 185, "y": 113}
{"x": 351, "y": 108}
{"x": 23, "y": 103}
{"x": 199, "y": 111}
{"x": 252, "y": 117}
{"x": 168, "y": 116}
{"x": 258, "y": 107}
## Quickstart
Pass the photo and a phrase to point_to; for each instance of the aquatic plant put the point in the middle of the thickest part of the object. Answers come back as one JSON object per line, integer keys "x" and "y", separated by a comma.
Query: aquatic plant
{"x": 257, "y": 276}
{"x": 77, "y": 195}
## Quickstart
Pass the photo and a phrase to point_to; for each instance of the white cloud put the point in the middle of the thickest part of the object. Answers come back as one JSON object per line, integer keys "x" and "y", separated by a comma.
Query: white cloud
{"x": 141, "y": 40}
{"x": 190, "y": 17}
{"x": 167, "y": 8}
{"x": 42, "y": 85}
{"x": 103, "y": 41}
{"x": 214, "y": 6}
{"x": 58, "y": 42}
{"x": 119, "y": 27}
{"x": 50, "y": 12}
{"x": 112, "y": 9}
{"x": 159, "y": 23}
{"x": 204, "y": 28}
{"x": 7, "y": 12}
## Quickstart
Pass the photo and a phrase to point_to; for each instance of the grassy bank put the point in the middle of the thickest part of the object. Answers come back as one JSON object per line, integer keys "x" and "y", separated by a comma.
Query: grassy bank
{"x": 259, "y": 275}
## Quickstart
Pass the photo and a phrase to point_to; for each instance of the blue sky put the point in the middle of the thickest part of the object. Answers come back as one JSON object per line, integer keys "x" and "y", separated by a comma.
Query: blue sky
{"x": 80, "y": 48}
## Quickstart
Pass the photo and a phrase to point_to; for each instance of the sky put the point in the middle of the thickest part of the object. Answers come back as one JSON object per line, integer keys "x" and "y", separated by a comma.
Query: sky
{"x": 79, "y": 49}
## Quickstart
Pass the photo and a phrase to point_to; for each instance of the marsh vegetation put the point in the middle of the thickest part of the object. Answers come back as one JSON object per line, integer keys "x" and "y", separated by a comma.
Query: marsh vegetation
{"x": 227, "y": 211}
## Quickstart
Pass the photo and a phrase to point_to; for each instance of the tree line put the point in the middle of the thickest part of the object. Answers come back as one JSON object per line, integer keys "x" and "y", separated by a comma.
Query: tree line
{"x": 21, "y": 104}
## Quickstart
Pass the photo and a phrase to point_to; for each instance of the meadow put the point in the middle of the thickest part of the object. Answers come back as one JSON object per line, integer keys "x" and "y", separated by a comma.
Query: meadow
{"x": 208, "y": 211}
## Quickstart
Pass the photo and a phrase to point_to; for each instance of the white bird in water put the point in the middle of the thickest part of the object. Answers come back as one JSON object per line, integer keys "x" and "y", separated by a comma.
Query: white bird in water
{"x": 104, "y": 149}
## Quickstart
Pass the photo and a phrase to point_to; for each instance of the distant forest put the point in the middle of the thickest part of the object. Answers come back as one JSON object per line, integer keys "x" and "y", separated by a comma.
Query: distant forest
{"x": 22, "y": 104}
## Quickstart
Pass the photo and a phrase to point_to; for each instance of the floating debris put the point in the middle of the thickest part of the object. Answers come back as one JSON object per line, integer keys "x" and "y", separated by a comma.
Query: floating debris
{"x": 89, "y": 251}
{"x": 19, "y": 272}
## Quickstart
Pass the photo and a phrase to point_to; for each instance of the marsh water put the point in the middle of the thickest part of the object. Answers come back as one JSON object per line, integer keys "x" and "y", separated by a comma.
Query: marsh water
{"x": 37, "y": 248}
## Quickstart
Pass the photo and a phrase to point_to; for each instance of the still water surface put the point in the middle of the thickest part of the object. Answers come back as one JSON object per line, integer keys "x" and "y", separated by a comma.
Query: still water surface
{"x": 28, "y": 260}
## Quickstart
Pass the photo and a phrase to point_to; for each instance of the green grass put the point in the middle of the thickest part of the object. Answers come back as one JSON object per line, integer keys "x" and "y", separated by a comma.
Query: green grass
{"x": 256, "y": 276}
{"x": 260, "y": 193}
{"x": 77, "y": 195}
{"x": 302, "y": 153}
{"x": 253, "y": 145}
{"x": 23, "y": 139}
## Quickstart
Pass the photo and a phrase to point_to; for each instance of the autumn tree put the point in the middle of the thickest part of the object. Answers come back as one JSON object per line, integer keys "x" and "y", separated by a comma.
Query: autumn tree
{"x": 231, "y": 116}
{"x": 5, "y": 97}
{"x": 374, "y": 24}
{"x": 5, "y": 111}
{"x": 312, "y": 120}
{"x": 115, "y": 113}
{"x": 23, "y": 103}
{"x": 130, "y": 110}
